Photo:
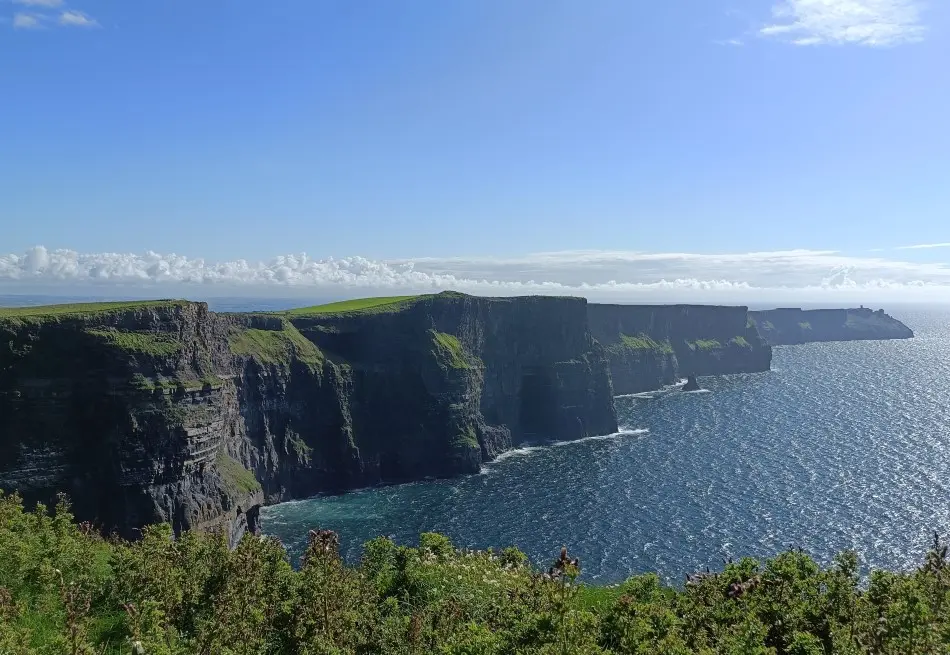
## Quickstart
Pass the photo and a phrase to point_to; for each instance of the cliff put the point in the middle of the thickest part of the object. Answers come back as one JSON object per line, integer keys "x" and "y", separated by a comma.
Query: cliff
{"x": 650, "y": 346}
{"x": 794, "y": 326}
{"x": 165, "y": 411}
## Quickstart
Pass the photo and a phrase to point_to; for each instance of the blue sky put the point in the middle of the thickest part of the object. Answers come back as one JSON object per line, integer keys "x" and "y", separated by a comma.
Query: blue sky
{"x": 715, "y": 146}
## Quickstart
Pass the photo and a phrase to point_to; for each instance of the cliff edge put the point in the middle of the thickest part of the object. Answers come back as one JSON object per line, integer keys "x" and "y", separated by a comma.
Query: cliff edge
{"x": 164, "y": 411}
{"x": 650, "y": 346}
{"x": 781, "y": 327}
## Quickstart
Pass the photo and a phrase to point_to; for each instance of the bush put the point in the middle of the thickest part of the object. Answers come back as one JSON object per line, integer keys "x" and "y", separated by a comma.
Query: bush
{"x": 66, "y": 590}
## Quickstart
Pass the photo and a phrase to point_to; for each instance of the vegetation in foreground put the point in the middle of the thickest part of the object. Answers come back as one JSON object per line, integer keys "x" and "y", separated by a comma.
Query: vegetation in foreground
{"x": 66, "y": 590}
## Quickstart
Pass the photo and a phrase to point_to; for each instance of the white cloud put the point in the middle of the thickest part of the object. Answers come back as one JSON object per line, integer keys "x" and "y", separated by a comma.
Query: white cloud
{"x": 39, "y": 3}
{"x": 763, "y": 277}
{"x": 925, "y": 246}
{"x": 22, "y": 21}
{"x": 860, "y": 22}
{"x": 73, "y": 18}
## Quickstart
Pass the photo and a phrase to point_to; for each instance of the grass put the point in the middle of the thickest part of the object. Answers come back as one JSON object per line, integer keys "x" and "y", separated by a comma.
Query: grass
{"x": 448, "y": 350}
{"x": 147, "y": 343}
{"x": 46, "y": 311}
{"x": 274, "y": 346}
{"x": 467, "y": 438}
{"x": 143, "y": 383}
{"x": 704, "y": 344}
{"x": 740, "y": 341}
{"x": 381, "y": 304}
{"x": 235, "y": 475}
{"x": 643, "y": 342}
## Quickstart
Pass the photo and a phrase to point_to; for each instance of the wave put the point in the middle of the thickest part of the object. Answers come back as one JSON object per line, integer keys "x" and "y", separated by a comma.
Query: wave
{"x": 538, "y": 447}
{"x": 624, "y": 432}
{"x": 650, "y": 395}
{"x": 517, "y": 452}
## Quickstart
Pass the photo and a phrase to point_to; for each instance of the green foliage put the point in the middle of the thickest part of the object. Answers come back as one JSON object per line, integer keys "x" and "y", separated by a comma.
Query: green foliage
{"x": 740, "y": 341}
{"x": 274, "y": 346}
{"x": 235, "y": 475}
{"x": 65, "y": 590}
{"x": 143, "y": 383}
{"x": 467, "y": 438}
{"x": 805, "y": 325}
{"x": 448, "y": 350}
{"x": 638, "y": 343}
{"x": 146, "y": 343}
{"x": 704, "y": 344}
{"x": 374, "y": 305}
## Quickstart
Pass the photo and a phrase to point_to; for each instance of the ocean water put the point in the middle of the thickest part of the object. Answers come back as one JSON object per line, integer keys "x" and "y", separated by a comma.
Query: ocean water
{"x": 840, "y": 446}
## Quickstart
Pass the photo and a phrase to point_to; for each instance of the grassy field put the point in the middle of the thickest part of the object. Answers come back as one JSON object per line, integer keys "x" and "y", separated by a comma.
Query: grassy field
{"x": 274, "y": 346}
{"x": 41, "y": 311}
{"x": 386, "y": 303}
{"x": 146, "y": 343}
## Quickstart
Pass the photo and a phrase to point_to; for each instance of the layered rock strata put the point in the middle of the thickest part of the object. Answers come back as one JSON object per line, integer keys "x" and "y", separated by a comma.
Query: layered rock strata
{"x": 650, "y": 346}
{"x": 165, "y": 411}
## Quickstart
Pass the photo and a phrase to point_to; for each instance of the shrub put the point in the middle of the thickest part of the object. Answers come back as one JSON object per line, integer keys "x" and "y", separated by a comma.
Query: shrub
{"x": 66, "y": 590}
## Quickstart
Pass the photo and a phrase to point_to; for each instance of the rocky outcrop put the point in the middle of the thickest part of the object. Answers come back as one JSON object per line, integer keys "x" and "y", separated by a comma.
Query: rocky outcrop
{"x": 692, "y": 384}
{"x": 650, "y": 346}
{"x": 794, "y": 326}
{"x": 147, "y": 412}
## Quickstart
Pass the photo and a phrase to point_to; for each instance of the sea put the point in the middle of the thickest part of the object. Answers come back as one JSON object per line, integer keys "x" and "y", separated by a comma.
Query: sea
{"x": 841, "y": 446}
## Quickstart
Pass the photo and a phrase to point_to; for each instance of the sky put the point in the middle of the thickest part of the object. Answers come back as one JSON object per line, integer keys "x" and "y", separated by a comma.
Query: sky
{"x": 686, "y": 150}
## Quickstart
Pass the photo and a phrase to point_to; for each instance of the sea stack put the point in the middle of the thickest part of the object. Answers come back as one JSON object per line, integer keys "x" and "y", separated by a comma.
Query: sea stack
{"x": 692, "y": 384}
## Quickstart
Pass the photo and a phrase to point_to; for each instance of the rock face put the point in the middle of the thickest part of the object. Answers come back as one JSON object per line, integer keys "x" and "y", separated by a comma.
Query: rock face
{"x": 168, "y": 412}
{"x": 650, "y": 346}
{"x": 692, "y": 384}
{"x": 794, "y": 326}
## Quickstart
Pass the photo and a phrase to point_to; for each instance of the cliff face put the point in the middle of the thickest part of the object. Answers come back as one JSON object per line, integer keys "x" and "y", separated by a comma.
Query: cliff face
{"x": 169, "y": 412}
{"x": 650, "y": 346}
{"x": 129, "y": 412}
{"x": 794, "y": 326}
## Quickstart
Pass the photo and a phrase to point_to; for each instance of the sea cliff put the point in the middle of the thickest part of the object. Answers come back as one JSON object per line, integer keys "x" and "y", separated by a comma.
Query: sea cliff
{"x": 168, "y": 412}
{"x": 650, "y": 346}
{"x": 795, "y": 326}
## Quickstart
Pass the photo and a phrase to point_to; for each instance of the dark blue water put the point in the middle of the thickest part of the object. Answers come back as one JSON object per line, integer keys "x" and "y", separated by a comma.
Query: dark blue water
{"x": 841, "y": 446}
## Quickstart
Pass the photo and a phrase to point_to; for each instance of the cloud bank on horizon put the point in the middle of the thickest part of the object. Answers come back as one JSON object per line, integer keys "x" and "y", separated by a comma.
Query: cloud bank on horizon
{"x": 619, "y": 276}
